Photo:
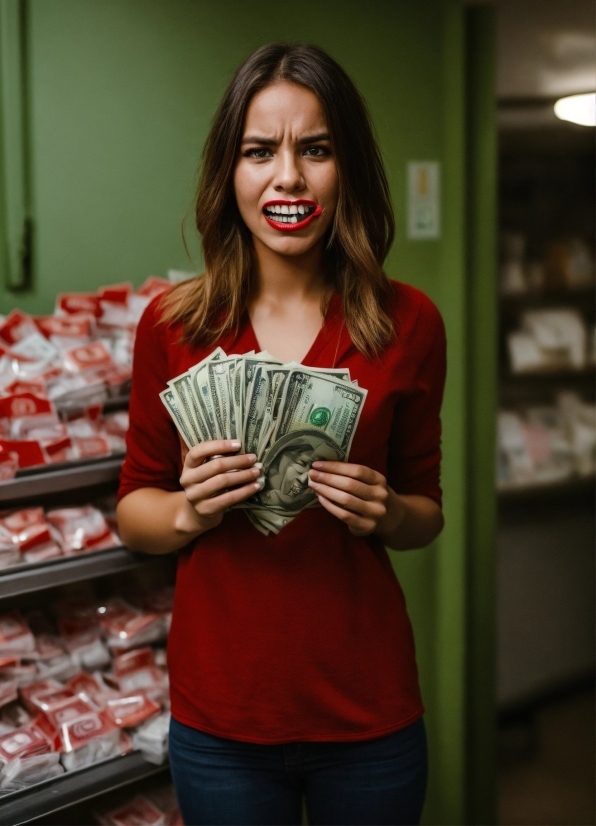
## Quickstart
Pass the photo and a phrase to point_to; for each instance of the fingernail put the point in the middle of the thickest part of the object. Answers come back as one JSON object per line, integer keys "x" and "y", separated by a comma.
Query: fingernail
{"x": 234, "y": 443}
{"x": 252, "y": 457}
{"x": 258, "y": 464}
{"x": 316, "y": 465}
{"x": 259, "y": 484}
{"x": 312, "y": 484}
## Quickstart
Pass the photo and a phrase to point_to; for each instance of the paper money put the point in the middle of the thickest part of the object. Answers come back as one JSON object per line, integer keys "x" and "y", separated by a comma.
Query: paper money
{"x": 288, "y": 415}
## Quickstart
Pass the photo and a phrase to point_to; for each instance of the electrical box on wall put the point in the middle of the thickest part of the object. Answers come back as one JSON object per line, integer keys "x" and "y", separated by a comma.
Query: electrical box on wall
{"x": 424, "y": 201}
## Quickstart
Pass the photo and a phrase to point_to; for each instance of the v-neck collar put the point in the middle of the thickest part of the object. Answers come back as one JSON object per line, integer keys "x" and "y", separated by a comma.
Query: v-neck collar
{"x": 332, "y": 335}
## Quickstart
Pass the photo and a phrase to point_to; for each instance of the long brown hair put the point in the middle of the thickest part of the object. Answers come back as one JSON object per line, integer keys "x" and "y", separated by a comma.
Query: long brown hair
{"x": 363, "y": 227}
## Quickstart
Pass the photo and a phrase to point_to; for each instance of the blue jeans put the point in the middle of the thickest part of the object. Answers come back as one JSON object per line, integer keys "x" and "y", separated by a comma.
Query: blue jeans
{"x": 380, "y": 781}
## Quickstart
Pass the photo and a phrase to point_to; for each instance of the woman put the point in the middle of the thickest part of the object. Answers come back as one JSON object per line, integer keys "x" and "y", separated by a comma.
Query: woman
{"x": 291, "y": 657}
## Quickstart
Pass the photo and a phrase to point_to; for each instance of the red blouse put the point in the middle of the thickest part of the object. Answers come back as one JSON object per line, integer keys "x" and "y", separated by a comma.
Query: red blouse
{"x": 303, "y": 635}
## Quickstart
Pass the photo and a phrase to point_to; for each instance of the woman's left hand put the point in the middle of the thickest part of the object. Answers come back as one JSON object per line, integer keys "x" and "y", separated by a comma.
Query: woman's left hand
{"x": 356, "y": 494}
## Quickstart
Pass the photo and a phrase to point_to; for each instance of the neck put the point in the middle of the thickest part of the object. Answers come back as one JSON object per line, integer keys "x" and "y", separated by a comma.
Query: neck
{"x": 289, "y": 278}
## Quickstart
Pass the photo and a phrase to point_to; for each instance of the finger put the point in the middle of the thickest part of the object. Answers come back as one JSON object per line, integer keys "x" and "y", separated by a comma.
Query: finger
{"x": 210, "y": 507}
{"x": 357, "y": 524}
{"x": 211, "y": 487}
{"x": 347, "y": 483}
{"x": 223, "y": 464}
{"x": 360, "y": 472}
{"x": 183, "y": 448}
{"x": 348, "y": 502}
{"x": 203, "y": 451}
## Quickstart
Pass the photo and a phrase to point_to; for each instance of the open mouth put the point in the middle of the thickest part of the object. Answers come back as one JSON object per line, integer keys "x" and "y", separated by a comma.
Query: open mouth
{"x": 288, "y": 216}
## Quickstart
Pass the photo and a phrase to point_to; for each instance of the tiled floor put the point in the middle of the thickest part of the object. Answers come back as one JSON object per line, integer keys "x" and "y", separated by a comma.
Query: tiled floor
{"x": 546, "y": 773}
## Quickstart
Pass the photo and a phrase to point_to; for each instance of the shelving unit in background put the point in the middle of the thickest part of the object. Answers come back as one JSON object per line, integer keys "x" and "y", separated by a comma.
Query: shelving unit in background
{"x": 60, "y": 483}
{"x": 545, "y": 563}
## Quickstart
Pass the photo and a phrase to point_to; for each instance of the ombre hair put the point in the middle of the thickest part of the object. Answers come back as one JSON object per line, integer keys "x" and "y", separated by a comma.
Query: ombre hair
{"x": 359, "y": 238}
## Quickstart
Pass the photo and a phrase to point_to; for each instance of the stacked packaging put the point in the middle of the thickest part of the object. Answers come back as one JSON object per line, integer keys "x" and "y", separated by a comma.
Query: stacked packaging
{"x": 84, "y": 683}
{"x": 57, "y": 371}
{"x": 30, "y": 535}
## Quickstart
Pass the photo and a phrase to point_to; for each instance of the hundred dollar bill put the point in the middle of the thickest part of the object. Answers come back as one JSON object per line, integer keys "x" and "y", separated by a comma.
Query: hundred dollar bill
{"x": 169, "y": 400}
{"x": 199, "y": 377}
{"x": 182, "y": 390}
{"x": 287, "y": 414}
{"x": 317, "y": 421}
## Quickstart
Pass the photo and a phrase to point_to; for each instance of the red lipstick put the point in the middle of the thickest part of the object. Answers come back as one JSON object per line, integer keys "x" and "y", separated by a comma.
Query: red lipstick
{"x": 278, "y": 214}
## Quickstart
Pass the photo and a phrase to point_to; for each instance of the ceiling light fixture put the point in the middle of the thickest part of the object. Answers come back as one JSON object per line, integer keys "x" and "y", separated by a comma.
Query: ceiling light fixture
{"x": 577, "y": 109}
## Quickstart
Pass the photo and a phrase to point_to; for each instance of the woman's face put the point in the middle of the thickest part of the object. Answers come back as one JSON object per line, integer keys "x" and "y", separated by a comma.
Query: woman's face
{"x": 285, "y": 179}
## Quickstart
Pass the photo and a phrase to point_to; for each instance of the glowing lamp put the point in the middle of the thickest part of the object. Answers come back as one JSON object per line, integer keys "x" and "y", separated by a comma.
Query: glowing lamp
{"x": 577, "y": 109}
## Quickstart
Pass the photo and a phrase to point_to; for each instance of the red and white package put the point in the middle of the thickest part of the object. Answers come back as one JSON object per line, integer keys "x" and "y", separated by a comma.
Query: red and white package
{"x": 92, "y": 685}
{"x": 34, "y": 385}
{"x": 27, "y": 771}
{"x": 15, "y": 634}
{"x": 130, "y": 710}
{"x": 153, "y": 285}
{"x": 16, "y": 326}
{"x": 151, "y": 738}
{"x": 116, "y": 424}
{"x": 67, "y": 331}
{"x": 53, "y": 661}
{"x": 77, "y": 303}
{"x": 90, "y": 447}
{"x": 9, "y": 464}
{"x": 134, "y": 660}
{"x": 82, "y": 640}
{"x": 54, "y": 721}
{"x": 75, "y": 732}
{"x": 140, "y": 810}
{"x": 82, "y": 529}
{"x": 29, "y": 452}
{"x": 55, "y": 441}
{"x": 116, "y": 293}
{"x": 150, "y": 680}
{"x": 23, "y": 674}
{"x": 88, "y": 357}
{"x": 23, "y": 742}
{"x": 116, "y": 378}
{"x": 28, "y": 693}
{"x": 29, "y": 408}
{"x": 51, "y": 699}
{"x": 128, "y": 627}
{"x": 31, "y": 533}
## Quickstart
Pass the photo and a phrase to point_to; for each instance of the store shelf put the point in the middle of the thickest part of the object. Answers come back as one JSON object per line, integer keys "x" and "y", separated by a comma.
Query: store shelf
{"x": 74, "y": 787}
{"x": 581, "y": 298}
{"x": 540, "y": 501}
{"x": 42, "y": 481}
{"x": 24, "y": 579}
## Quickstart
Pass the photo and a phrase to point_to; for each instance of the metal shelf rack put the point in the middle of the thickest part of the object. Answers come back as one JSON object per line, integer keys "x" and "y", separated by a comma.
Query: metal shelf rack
{"x": 25, "y": 579}
{"x": 74, "y": 787}
{"x": 44, "y": 481}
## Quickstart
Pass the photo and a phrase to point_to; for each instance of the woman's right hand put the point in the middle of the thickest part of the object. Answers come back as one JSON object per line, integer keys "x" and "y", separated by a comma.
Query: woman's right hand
{"x": 212, "y": 485}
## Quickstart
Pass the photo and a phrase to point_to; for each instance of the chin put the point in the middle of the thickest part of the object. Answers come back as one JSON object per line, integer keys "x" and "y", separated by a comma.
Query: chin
{"x": 290, "y": 246}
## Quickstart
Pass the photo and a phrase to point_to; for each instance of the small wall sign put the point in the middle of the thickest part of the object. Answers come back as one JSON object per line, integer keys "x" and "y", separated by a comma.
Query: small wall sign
{"x": 424, "y": 199}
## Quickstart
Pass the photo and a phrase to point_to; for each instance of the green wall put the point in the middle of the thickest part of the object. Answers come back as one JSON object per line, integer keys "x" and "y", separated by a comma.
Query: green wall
{"x": 119, "y": 96}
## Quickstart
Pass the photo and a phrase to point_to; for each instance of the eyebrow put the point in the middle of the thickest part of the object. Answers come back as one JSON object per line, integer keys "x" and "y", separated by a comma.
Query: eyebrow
{"x": 321, "y": 136}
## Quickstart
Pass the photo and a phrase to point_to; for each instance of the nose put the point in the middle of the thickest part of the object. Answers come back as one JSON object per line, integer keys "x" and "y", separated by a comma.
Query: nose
{"x": 288, "y": 173}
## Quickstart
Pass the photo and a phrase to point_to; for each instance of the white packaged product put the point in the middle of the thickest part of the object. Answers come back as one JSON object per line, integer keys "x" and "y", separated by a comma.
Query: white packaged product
{"x": 151, "y": 738}
{"x": 27, "y": 771}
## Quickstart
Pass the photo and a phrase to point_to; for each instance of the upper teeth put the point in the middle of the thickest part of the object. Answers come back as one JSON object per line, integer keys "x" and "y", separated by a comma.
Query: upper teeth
{"x": 287, "y": 214}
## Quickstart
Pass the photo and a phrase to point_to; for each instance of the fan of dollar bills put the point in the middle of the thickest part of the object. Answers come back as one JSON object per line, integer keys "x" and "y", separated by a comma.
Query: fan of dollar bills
{"x": 288, "y": 415}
